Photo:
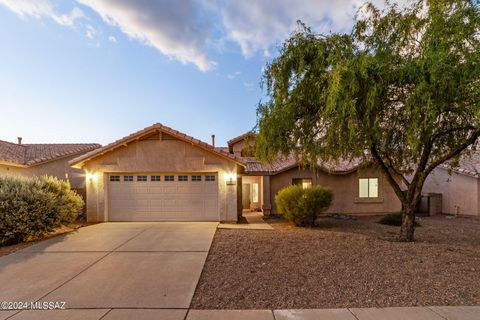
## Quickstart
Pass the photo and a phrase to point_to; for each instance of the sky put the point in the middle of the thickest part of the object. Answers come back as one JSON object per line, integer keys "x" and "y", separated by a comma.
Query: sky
{"x": 98, "y": 70}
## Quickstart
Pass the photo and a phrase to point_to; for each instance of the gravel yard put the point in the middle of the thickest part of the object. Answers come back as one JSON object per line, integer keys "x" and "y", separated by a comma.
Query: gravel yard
{"x": 342, "y": 263}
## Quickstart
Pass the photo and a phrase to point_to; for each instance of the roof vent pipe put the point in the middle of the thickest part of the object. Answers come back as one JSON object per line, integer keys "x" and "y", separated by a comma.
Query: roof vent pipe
{"x": 19, "y": 140}
{"x": 213, "y": 140}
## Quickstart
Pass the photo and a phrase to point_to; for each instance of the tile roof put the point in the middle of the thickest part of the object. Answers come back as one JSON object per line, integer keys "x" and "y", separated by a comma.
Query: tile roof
{"x": 284, "y": 163}
{"x": 468, "y": 165}
{"x": 159, "y": 127}
{"x": 33, "y": 154}
{"x": 240, "y": 137}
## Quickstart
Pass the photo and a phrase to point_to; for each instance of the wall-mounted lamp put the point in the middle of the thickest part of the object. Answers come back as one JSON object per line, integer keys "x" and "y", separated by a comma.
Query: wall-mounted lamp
{"x": 230, "y": 178}
{"x": 91, "y": 176}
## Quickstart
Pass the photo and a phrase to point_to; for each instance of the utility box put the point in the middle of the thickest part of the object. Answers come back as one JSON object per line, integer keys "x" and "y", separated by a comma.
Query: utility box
{"x": 431, "y": 204}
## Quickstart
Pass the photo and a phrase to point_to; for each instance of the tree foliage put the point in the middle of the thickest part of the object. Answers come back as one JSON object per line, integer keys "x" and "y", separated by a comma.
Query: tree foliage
{"x": 402, "y": 89}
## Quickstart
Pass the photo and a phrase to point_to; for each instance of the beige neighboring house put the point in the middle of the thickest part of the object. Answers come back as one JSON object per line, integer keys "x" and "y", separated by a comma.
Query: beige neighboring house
{"x": 161, "y": 174}
{"x": 460, "y": 187}
{"x": 43, "y": 159}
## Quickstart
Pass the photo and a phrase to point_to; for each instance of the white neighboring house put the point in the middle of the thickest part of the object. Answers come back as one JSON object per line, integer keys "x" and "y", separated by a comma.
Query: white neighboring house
{"x": 460, "y": 188}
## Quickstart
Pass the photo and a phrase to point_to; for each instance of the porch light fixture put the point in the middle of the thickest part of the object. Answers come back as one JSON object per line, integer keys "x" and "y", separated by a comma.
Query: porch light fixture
{"x": 230, "y": 178}
{"x": 91, "y": 176}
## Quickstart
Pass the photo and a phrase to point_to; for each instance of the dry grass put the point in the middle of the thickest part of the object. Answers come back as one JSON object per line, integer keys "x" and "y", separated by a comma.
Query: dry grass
{"x": 342, "y": 263}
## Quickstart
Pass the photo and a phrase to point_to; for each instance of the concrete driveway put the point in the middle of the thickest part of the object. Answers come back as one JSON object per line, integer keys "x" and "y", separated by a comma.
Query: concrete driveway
{"x": 110, "y": 270}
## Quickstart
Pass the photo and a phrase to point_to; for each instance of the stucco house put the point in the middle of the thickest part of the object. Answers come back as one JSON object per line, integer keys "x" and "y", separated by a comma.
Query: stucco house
{"x": 159, "y": 173}
{"x": 43, "y": 159}
{"x": 460, "y": 187}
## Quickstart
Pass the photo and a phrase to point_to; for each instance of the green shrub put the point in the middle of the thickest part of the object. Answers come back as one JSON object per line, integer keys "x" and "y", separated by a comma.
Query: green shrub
{"x": 29, "y": 207}
{"x": 303, "y": 206}
{"x": 393, "y": 219}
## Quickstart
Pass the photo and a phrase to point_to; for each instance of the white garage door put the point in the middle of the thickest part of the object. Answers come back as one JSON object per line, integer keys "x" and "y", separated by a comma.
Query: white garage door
{"x": 163, "y": 196}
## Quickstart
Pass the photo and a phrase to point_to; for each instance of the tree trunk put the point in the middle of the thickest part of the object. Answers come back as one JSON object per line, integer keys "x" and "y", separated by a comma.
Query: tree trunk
{"x": 408, "y": 220}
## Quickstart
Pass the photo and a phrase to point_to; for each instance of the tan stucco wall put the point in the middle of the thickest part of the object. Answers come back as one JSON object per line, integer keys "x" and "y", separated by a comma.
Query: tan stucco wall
{"x": 57, "y": 168}
{"x": 158, "y": 156}
{"x": 238, "y": 147}
{"x": 458, "y": 191}
{"x": 345, "y": 190}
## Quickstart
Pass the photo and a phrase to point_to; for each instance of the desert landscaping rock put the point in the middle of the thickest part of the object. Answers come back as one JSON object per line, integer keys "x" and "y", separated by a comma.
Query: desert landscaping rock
{"x": 342, "y": 263}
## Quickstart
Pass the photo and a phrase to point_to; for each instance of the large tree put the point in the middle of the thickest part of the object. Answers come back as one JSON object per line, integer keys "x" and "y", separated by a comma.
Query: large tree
{"x": 402, "y": 90}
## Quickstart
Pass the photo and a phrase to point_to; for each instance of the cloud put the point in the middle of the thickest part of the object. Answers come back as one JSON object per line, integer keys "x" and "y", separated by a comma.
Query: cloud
{"x": 248, "y": 86}
{"x": 257, "y": 25}
{"x": 90, "y": 31}
{"x": 175, "y": 28}
{"x": 185, "y": 30}
{"x": 43, "y": 8}
{"x": 232, "y": 76}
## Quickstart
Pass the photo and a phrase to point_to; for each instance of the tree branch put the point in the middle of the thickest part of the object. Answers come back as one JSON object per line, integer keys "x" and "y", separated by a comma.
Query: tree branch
{"x": 427, "y": 150}
{"x": 391, "y": 167}
{"x": 396, "y": 188}
{"x": 454, "y": 152}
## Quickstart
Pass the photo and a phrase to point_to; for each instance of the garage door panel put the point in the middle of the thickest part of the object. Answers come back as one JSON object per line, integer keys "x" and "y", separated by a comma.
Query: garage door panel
{"x": 170, "y": 189}
{"x": 163, "y": 200}
{"x": 157, "y": 189}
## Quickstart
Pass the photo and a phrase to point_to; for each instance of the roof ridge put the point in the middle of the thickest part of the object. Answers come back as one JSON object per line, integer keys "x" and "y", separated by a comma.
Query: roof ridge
{"x": 180, "y": 135}
{"x": 13, "y": 143}
{"x": 61, "y": 144}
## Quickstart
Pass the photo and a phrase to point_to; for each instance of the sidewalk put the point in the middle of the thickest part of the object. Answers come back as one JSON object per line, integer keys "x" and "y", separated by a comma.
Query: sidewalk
{"x": 401, "y": 313}
{"x": 414, "y": 313}
{"x": 254, "y": 222}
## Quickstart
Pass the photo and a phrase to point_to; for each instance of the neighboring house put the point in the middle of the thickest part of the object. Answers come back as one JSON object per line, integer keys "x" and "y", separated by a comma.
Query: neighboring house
{"x": 460, "y": 187}
{"x": 43, "y": 159}
{"x": 159, "y": 173}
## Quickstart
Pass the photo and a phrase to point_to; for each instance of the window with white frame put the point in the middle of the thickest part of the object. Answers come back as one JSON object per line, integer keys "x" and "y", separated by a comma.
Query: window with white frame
{"x": 182, "y": 178}
{"x": 155, "y": 178}
{"x": 368, "y": 188}
{"x": 142, "y": 178}
{"x": 114, "y": 178}
{"x": 127, "y": 178}
{"x": 169, "y": 178}
{"x": 209, "y": 178}
{"x": 196, "y": 178}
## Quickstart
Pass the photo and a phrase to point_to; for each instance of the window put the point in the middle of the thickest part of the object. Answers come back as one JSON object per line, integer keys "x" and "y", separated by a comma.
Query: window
{"x": 141, "y": 178}
{"x": 182, "y": 178}
{"x": 114, "y": 178}
{"x": 154, "y": 178}
{"x": 368, "y": 187}
{"x": 209, "y": 178}
{"x": 127, "y": 178}
{"x": 196, "y": 178}
{"x": 255, "y": 192}
{"x": 169, "y": 178}
{"x": 305, "y": 183}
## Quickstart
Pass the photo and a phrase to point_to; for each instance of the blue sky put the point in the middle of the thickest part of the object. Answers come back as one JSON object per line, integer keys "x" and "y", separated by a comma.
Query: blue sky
{"x": 95, "y": 71}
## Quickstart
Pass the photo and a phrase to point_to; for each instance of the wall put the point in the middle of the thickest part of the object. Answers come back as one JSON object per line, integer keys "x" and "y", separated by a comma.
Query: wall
{"x": 238, "y": 147}
{"x": 458, "y": 191}
{"x": 345, "y": 190}
{"x": 159, "y": 156}
{"x": 57, "y": 168}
